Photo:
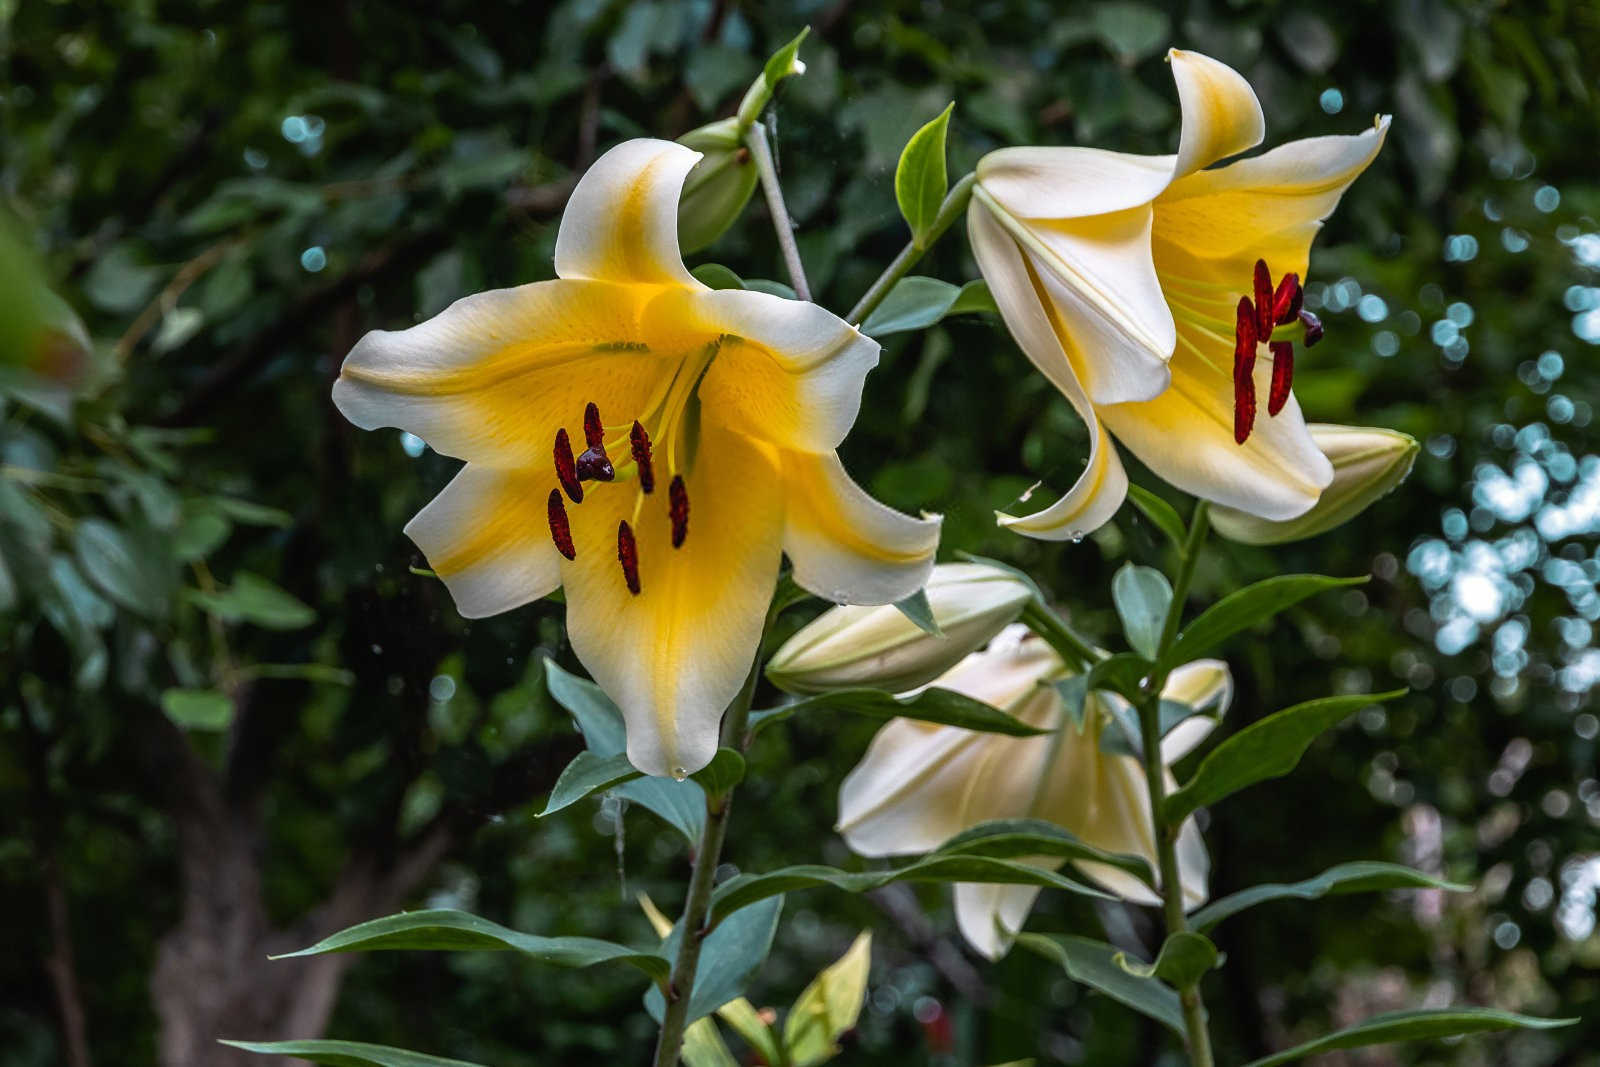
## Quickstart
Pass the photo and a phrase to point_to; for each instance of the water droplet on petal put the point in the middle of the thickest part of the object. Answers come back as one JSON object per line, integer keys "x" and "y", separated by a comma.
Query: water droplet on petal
{"x": 679, "y": 774}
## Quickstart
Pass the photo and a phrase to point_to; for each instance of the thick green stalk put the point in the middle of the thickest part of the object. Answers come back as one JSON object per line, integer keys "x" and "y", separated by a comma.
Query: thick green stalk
{"x": 955, "y": 202}
{"x": 674, "y": 1019}
{"x": 1155, "y": 775}
{"x": 1074, "y": 650}
{"x": 755, "y": 139}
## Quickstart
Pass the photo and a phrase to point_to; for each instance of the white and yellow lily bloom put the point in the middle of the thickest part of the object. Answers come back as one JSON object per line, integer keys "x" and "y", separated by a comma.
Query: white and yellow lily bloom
{"x": 1142, "y": 287}
{"x": 919, "y": 785}
{"x": 649, "y": 444}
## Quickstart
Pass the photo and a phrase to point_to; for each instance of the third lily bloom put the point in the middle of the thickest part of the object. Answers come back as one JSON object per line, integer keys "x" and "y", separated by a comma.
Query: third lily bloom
{"x": 1161, "y": 298}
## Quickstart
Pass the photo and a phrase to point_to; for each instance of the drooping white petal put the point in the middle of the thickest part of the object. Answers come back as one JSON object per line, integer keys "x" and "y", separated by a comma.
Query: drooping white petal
{"x": 990, "y": 914}
{"x": 1221, "y": 115}
{"x": 621, "y": 223}
{"x": 788, "y": 371}
{"x": 1099, "y": 491}
{"x": 1206, "y": 685}
{"x": 1036, "y": 182}
{"x": 486, "y": 536}
{"x": 1194, "y": 864}
{"x": 906, "y": 795}
{"x": 846, "y": 546}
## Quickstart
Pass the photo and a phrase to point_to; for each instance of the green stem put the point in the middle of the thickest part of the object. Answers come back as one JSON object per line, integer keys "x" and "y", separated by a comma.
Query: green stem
{"x": 1155, "y": 776}
{"x": 955, "y": 202}
{"x": 675, "y": 1018}
{"x": 755, "y": 139}
{"x": 1073, "y": 649}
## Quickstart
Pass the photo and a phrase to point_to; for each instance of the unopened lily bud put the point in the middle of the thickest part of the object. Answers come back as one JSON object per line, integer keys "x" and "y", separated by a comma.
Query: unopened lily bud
{"x": 719, "y": 186}
{"x": 1367, "y": 463}
{"x": 878, "y": 646}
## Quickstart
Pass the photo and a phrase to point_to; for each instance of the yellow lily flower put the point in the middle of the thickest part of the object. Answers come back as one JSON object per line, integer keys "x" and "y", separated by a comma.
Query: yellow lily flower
{"x": 648, "y": 443}
{"x": 920, "y": 785}
{"x": 1141, "y": 286}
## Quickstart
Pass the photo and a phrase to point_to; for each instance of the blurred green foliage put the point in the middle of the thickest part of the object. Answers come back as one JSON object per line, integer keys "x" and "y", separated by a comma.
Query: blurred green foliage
{"x": 215, "y": 663}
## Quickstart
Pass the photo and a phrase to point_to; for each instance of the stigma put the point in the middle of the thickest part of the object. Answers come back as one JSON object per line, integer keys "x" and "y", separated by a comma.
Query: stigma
{"x": 1259, "y": 315}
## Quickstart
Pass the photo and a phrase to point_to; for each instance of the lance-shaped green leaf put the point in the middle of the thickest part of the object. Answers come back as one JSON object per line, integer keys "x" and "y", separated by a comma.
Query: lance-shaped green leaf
{"x": 917, "y": 609}
{"x": 1362, "y": 876}
{"x": 1093, "y": 964}
{"x": 943, "y": 706}
{"x": 746, "y": 889}
{"x": 920, "y": 178}
{"x": 1160, "y": 513}
{"x": 1184, "y": 958}
{"x": 1120, "y": 674}
{"x": 253, "y": 599}
{"x": 586, "y": 774}
{"x": 448, "y": 930}
{"x": 1142, "y": 596}
{"x": 1008, "y": 839}
{"x": 681, "y": 804}
{"x": 729, "y": 958}
{"x": 1413, "y": 1026}
{"x": 1245, "y": 608}
{"x": 1126, "y": 739}
{"x": 917, "y": 302}
{"x": 1268, "y": 748}
{"x": 347, "y": 1053}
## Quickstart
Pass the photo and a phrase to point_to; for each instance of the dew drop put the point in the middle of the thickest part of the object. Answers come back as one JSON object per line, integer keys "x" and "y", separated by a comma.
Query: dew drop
{"x": 1076, "y": 537}
{"x": 679, "y": 774}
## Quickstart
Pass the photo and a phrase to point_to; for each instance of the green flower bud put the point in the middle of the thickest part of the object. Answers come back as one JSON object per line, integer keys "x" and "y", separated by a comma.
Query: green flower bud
{"x": 719, "y": 186}
{"x": 879, "y": 647}
{"x": 1367, "y": 463}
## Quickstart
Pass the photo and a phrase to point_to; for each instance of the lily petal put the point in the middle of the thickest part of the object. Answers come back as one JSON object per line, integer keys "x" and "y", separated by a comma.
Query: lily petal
{"x": 621, "y": 222}
{"x": 1186, "y": 436}
{"x": 486, "y": 536}
{"x": 492, "y": 376}
{"x": 788, "y": 371}
{"x": 1204, "y": 685}
{"x": 990, "y": 914}
{"x": 1100, "y": 490}
{"x": 1036, "y": 182}
{"x": 1221, "y": 115}
{"x": 674, "y": 655}
{"x": 845, "y": 546}
{"x": 907, "y": 794}
{"x": 1269, "y": 206}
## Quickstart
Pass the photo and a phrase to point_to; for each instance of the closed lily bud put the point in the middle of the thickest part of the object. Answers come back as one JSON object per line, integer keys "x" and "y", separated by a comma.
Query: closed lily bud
{"x": 1367, "y": 463}
{"x": 719, "y": 186}
{"x": 878, "y": 646}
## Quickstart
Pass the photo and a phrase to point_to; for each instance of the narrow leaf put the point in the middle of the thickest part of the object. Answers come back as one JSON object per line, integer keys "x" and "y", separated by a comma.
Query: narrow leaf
{"x": 1126, "y": 739}
{"x": 198, "y": 709}
{"x": 347, "y": 1053}
{"x": 746, "y": 889}
{"x": 1414, "y": 1026}
{"x": 1268, "y": 748}
{"x": 920, "y": 179}
{"x": 916, "y": 608}
{"x": 1008, "y": 839}
{"x": 729, "y": 958}
{"x": 586, "y": 774}
{"x": 1160, "y": 513}
{"x": 1142, "y": 596}
{"x": 943, "y": 706}
{"x": 447, "y": 930}
{"x": 1092, "y": 963}
{"x": 1363, "y": 876}
{"x": 1245, "y": 608}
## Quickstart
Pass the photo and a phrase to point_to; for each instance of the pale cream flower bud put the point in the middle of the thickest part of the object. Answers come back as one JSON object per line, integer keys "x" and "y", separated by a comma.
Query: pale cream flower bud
{"x": 878, "y": 646}
{"x": 1367, "y": 463}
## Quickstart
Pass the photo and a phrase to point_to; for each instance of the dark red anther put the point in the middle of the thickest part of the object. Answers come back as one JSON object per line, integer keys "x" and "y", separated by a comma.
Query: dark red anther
{"x": 640, "y": 443}
{"x": 1286, "y": 301}
{"x": 1264, "y": 309}
{"x": 678, "y": 510}
{"x": 628, "y": 556}
{"x": 560, "y": 529}
{"x": 594, "y": 434}
{"x": 1282, "y": 375}
{"x": 1313, "y": 327}
{"x": 566, "y": 468}
{"x": 595, "y": 466}
{"x": 1244, "y": 371}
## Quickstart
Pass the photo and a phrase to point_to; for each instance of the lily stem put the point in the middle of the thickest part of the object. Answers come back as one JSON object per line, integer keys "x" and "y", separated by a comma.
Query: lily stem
{"x": 680, "y": 988}
{"x": 1166, "y": 834}
{"x": 1058, "y": 635}
{"x": 955, "y": 202}
{"x": 755, "y": 139}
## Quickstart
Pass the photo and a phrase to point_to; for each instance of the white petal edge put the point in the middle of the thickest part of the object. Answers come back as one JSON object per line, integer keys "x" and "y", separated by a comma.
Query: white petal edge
{"x": 621, "y": 222}
{"x": 1221, "y": 114}
{"x": 1206, "y": 685}
{"x": 989, "y": 914}
{"x": 845, "y": 546}
{"x": 522, "y": 567}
